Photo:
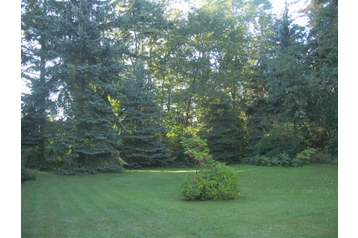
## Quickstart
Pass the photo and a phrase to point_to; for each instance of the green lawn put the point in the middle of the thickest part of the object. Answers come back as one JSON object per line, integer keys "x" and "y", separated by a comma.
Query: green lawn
{"x": 274, "y": 202}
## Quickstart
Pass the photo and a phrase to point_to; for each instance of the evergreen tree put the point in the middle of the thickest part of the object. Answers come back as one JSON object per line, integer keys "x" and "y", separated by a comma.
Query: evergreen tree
{"x": 38, "y": 44}
{"x": 88, "y": 73}
{"x": 322, "y": 58}
{"x": 286, "y": 69}
{"x": 281, "y": 74}
{"x": 255, "y": 84}
{"x": 224, "y": 132}
{"x": 143, "y": 130}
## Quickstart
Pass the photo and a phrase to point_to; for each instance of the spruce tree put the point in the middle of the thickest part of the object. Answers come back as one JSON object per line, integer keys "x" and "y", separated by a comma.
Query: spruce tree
{"x": 38, "y": 55}
{"x": 255, "y": 82}
{"x": 224, "y": 132}
{"x": 143, "y": 130}
{"x": 322, "y": 58}
{"x": 88, "y": 73}
{"x": 278, "y": 89}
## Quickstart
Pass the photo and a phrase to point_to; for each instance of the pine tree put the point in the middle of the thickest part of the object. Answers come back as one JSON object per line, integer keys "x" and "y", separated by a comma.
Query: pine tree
{"x": 143, "y": 130}
{"x": 286, "y": 68}
{"x": 88, "y": 73}
{"x": 322, "y": 58}
{"x": 255, "y": 81}
{"x": 281, "y": 74}
{"x": 224, "y": 132}
{"x": 38, "y": 43}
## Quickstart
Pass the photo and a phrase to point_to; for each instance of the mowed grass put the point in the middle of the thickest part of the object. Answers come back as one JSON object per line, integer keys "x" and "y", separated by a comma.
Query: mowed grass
{"x": 274, "y": 202}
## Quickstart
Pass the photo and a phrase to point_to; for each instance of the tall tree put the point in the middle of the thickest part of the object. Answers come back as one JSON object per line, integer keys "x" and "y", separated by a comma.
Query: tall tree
{"x": 224, "y": 132}
{"x": 322, "y": 127}
{"x": 251, "y": 86}
{"x": 282, "y": 73}
{"x": 144, "y": 131}
{"x": 38, "y": 55}
{"x": 89, "y": 71}
{"x": 206, "y": 56}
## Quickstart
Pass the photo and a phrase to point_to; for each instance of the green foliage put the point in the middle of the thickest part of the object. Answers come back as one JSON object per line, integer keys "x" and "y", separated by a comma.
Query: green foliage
{"x": 107, "y": 165}
{"x": 39, "y": 40}
{"x": 282, "y": 159}
{"x": 230, "y": 72}
{"x": 281, "y": 138}
{"x": 26, "y": 174}
{"x": 224, "y": 132}
{"x": 320, "y": 158}
{"x": 306, "y": 155}
{"x": 143, "y": 130}
{"x": 78, "y": 73}
{"x": 333, "y": 159}
{"x": 213, "y": 181}
{"x": 198, "y": 151}
{"x": 261, "y": 160}
{"x": 297, "y": 82}
{"x": 315, "y": 156}
{"x": 296, "y": 162}
{"x": 220, "y": 182}
{"x": 322, "y": 106}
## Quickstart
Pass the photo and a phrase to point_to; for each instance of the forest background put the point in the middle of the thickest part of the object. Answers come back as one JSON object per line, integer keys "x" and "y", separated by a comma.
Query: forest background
{"x": 118, "y": 83}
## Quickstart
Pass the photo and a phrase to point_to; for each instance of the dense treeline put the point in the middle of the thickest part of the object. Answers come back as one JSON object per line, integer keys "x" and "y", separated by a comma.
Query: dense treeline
{"x": 116, "y": 83}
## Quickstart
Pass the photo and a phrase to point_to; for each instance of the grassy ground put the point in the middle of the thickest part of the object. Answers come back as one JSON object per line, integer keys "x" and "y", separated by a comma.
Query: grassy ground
{"x": 274, "y": 202}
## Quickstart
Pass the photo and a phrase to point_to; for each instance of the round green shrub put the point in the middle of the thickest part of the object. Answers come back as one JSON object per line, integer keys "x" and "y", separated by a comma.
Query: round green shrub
{"x": 218, "y": 183}
{"x": 297, "y": 162}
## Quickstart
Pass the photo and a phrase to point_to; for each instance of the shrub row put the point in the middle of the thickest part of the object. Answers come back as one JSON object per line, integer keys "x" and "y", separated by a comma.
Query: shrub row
{"x": 282, "y": 159}
{"x": 305, "y": 157}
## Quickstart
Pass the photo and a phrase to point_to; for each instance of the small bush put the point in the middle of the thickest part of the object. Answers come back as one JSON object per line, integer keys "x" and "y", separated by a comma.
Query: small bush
{"x": 332, "y": 160}
{"x": 250, "y": 160}
{"x": 218, "y": 183}
{"x": 212, "y": 180}
{"x": 297, "y": 162}
{"x": 274, "y": 161}
{"x": 306, "y": 155}
{"x": 281, "y": 138}
{"x": 263, "y": 160}
{"x": 284, "y": 159}
{"x": 320, "y": 158}
{"x": 26, "y": 174}
{"x": 259, "y": 160}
